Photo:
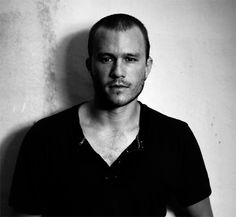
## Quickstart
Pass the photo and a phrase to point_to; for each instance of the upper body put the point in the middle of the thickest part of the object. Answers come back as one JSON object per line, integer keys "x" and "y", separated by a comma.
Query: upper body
{"x": 60, "y": 172}
{"x": 130, "y": 160}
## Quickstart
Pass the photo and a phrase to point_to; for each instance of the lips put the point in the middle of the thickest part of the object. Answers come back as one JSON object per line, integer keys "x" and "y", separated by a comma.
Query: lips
{"x": 118, "y": 84}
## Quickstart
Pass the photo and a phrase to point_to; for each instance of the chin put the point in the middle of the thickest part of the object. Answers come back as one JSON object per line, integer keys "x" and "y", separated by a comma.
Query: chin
{"x": 118, "y": 102}
{"x": 111, "y": 101}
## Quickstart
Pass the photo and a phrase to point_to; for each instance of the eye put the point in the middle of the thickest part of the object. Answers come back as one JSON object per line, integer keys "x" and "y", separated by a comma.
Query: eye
{"x": 130, "y": 59}
{"x": 105, "y": 59}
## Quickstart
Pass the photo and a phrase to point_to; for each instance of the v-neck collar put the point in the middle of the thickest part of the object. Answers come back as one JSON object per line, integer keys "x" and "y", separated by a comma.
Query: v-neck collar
{"x": 136, "y": 144}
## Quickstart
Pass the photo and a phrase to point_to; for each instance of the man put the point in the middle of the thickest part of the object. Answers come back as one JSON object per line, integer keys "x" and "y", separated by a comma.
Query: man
{"x": 112, "y": 155}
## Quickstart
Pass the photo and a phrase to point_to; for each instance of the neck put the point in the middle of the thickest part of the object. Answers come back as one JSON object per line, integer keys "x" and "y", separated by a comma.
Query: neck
{"x": 115, "y": 118}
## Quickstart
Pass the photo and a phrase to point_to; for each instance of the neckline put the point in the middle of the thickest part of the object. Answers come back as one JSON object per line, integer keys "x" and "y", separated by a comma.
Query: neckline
{"x": 142, "y": 120}
{"x": 130, "y": 148}
{"x": 138, "y": 139}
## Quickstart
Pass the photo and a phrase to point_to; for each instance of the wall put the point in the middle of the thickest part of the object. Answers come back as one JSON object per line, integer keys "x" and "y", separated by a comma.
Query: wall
{"x": 43, "y": 49}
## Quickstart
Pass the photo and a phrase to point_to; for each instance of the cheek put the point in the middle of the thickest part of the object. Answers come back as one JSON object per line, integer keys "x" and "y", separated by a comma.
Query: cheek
{"x": 100, "y": 70}
{"x": 100, "y": 75}
{"x": 138, "y": 75}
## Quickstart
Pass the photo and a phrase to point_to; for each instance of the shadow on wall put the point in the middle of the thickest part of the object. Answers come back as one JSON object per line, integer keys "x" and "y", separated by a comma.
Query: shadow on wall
{"x": 75, "y": 87}
{"x": 77, "y": 84}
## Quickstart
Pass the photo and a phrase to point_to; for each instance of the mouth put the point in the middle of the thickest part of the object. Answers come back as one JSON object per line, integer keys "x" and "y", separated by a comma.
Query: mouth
{"x": 118, "y": 86}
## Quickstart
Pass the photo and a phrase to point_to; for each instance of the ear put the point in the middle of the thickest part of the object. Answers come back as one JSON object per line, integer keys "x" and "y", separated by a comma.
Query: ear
{"x": 88, "y": 64}
{"x": 148, "y": 67}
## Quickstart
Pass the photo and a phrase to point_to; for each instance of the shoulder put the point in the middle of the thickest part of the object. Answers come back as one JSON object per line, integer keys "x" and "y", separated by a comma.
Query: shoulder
{"x": 173, "y": 136}
{"x": 160, "y": 121}
{"x": 52, "y": 131}
{"x": 55, "y": 127}
{"x": 168, "y": 132}
{"x": 59, "y": 119}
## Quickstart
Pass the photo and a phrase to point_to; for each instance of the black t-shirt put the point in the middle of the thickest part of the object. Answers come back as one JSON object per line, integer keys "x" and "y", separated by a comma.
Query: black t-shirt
{"x": 58, "y": 173}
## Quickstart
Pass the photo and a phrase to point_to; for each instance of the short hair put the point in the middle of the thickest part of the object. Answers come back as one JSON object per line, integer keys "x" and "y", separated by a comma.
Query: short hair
{"x": 118, "y": 22}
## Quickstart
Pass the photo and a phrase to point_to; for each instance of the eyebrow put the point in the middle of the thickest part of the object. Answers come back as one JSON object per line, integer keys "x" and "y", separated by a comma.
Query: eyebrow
{"x": 124, "y": 54}
{"x": 133, "y": 54}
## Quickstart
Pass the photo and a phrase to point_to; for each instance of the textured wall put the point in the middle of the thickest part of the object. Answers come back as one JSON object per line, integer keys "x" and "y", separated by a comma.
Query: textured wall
{"x": 193, "y": 43}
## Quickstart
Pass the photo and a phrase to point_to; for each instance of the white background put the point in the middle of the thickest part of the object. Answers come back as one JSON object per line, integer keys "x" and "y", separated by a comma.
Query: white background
{"x": 193, "y": 44}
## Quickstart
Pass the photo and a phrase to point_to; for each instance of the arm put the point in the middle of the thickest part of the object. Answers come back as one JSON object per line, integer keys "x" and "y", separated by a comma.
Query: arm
{"x": 21, "y": 214}
{"x": 26, "y": 189}
{"x": 26, "y": 215}
{"x": 201, "y": 209}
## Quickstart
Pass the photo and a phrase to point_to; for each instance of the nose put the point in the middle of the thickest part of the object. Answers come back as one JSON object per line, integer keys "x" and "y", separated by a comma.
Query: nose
{"x": 118, "y": 70}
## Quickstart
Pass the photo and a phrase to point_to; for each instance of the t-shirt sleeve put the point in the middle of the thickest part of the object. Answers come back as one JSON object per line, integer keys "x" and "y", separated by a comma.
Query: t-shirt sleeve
{"x": 27, "y": 190}
{"x": 193, "y": 181}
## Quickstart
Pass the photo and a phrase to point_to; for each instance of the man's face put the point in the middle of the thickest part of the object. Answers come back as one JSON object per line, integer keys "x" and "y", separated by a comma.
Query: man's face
{"x": 118, "y": 66}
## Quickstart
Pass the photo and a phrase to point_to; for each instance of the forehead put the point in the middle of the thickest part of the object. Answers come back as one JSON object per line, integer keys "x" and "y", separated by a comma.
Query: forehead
{"x": 128, "y": 41}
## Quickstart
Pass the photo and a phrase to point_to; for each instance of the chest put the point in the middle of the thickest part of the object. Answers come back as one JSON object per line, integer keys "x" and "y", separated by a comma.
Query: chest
{"x": 109, "y": 144}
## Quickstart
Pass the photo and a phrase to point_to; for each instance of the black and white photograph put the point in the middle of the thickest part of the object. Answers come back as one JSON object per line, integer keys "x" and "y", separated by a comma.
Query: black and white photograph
{"x": 117, "y": 108}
